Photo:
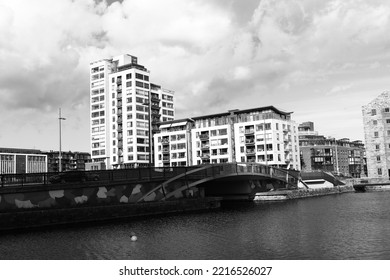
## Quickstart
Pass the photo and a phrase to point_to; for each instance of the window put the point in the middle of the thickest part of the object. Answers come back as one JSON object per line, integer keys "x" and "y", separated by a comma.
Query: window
{"x": 379, "y": 171}
{"x": 373, "y": 112}
{"x": 387, "y": 110}
{"x": 376, "y": 134}
{"x": 374, "y": 122}
{"x": 388, "y": 121}
{"x": 377, "y": 147}
{"x": 378, "y": 158}
{"x": 128, "y": 76}
{"x": 388, "y": 133}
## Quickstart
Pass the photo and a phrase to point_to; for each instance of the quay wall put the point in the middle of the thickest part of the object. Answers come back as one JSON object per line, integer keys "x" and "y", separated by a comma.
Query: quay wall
{"x": 35, "y": 218}
{"x": 41, "y": 205}
{"x": 302, "y": 193}
{"x": 71, "y": 195}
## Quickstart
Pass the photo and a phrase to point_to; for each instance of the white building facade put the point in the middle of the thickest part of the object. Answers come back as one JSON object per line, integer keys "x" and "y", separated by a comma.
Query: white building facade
{"x": 173, "y": 144}
{"x": 17, "y": 161}
{"x": 260, "y": 135}
{"x": 376, "y": 121}
{"x": 125, "y": 107}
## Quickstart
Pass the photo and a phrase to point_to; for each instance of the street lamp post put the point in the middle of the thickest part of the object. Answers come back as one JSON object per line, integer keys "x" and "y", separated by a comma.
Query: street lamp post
{"x": 59, "y": 154}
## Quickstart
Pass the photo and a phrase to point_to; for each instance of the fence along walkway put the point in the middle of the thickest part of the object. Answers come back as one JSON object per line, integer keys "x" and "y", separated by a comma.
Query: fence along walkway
{"x": 92, "y": 177}
{"x": 172, "y": 177}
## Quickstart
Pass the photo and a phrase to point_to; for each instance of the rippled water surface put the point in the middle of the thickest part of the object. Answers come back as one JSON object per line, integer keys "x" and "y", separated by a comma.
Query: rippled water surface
{"x": 347, "y": 226}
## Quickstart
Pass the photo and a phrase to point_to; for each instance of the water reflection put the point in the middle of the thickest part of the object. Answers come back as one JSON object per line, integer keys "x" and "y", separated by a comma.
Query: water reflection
{"x": 348, "y": 226}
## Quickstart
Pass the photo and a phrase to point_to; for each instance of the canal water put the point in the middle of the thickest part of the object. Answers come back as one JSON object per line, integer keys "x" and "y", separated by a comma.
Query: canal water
{"x": 346, "y": 226}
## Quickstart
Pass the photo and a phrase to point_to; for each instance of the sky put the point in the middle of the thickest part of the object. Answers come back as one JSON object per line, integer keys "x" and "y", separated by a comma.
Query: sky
{"x": 322, "y": 60}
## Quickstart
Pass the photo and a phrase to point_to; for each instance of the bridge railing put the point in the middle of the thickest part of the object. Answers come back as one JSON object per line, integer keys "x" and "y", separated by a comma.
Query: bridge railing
{"x": 144, "y": 174}
{"x": 134, "y": 174}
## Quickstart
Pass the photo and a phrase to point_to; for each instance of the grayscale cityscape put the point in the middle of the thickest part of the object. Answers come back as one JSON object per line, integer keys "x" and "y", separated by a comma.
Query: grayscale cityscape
{"x": 194, "y": 130}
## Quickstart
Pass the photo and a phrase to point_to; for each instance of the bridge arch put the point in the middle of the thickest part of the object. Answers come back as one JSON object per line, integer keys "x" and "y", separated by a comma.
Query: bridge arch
{"x": 215, "y": 172}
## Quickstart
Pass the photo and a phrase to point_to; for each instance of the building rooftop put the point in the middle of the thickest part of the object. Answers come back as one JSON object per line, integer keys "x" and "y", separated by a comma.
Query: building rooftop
{"x": 20, "y": 151}
{"x": 244, "y": 111}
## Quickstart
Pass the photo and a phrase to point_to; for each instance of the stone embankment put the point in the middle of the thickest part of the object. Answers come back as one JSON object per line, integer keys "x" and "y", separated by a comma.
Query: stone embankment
{"x": 302, "y": 193}
{"x": 370, "y": 184}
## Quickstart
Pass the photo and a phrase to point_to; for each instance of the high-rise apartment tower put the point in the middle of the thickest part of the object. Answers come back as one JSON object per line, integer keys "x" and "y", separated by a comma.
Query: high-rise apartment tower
{"x": 125, "y": 108}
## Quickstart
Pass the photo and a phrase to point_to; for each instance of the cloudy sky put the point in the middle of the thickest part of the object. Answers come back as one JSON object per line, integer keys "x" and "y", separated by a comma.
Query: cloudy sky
{"x": 320, "y": 59}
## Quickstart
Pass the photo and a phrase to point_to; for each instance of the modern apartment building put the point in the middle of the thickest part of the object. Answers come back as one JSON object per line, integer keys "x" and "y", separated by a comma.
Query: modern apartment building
{"x": 263, "y": 135}
{"x": 341, "y": 156}
{"x": 173, "y": 143}
{"x": 16, "y": 161}
{"x": 125, "y": 108}
{"x": 69, "y": 160}
{"x": 376, "y": 120}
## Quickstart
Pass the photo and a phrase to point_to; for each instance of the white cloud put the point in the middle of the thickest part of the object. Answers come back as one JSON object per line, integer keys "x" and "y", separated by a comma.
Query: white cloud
{"x": 242, "y": 73}
{"x": 216, "y": 55}
{"x": 339, "y": 89}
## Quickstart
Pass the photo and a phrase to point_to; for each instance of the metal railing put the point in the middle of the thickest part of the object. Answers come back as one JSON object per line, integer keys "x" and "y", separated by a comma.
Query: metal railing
{"x": 165, "y": 174}
{"x": 88, "y": 177}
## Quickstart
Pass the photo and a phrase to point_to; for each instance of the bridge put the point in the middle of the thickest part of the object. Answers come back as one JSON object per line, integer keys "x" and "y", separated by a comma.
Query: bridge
{"x": 227, "y": 180}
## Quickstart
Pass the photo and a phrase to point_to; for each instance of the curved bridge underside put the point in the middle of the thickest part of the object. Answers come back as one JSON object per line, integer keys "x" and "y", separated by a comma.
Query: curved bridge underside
{"x": 230, "y": 181}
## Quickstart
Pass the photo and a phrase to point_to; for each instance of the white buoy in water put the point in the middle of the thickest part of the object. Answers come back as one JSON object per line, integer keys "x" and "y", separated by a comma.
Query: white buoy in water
{"x": 133, "y": 237}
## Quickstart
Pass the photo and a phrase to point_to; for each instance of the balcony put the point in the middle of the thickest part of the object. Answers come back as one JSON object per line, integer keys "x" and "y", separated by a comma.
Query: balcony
{"x": 205, "y": 147}
{"x": 250, "y": 142}
{"x": 249, "y": 131}
{"x": 205, "y": 156}
{"x": 204, "y": 136}
{"x": 155, "y": 106}
{"x": 250, "y": 151}
{"x": 155, "y": 99}
{"x": 166, "y": 159}
{"x": 165, "y": 141}
{"x": 119, "y": 81}
{"x": 119, "y": 120}
{"x": 165, "y": 151}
